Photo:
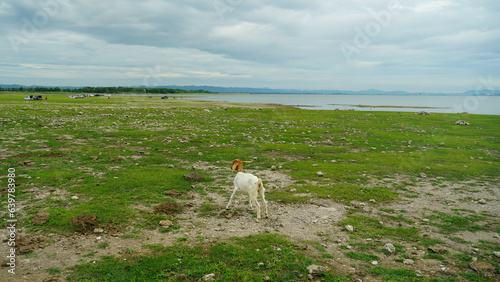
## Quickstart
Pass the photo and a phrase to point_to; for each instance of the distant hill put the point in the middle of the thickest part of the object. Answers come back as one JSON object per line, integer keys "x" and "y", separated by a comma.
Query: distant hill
{"x": 218, "y": 89}
{"x": 265, "y": 90}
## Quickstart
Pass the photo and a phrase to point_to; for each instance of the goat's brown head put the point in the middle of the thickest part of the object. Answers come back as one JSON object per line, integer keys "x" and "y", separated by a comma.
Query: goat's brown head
{"x": 238, "y": 165}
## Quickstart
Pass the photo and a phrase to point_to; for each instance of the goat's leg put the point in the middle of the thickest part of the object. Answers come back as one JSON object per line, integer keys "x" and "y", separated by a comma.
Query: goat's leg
{"x": 258, "y": 208}
{"x": 264, "y": 200}
{"x": 232, "y": 195}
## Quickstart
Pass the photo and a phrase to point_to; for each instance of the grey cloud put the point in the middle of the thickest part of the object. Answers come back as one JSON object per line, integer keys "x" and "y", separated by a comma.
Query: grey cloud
{"x": 259, "y": 41}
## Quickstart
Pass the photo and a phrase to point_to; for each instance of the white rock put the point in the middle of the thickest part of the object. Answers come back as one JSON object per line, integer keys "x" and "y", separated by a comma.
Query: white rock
{"x": 390, "y": 248}
{"x": 408, "y": 262}
{"x": 316, "y": 269}
{"x": 98, "y": 230}
{"x": 75, "y": 198}
{"x": 374, "y": 262}
{"x": 349, "y": 228}
{"x": 209, "y": 277}
{"x": 166, "y": 223}
{"x": 482, "y": 201}
{"x": 320, "y": 174}
{"x": 497, "y": 254}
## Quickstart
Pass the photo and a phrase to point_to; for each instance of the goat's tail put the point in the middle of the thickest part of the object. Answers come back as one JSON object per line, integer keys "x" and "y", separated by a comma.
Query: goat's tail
{"x": 260, "y": 185}
{"x": 247, "y": 162}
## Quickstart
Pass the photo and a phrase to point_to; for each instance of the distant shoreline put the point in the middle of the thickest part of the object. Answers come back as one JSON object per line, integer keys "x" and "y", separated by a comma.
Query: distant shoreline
{"x": 388, "y": 106}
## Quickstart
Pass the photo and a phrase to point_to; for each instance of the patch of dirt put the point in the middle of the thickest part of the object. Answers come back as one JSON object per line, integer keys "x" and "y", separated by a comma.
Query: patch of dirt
{"x": 40, "y": 218}
{"x": 87, "y": 223}
{"x": 27, "y": 163}
{"x": 27, "y": 243}
{"x": 194, "y": 177}
{"x": 167, "y": 208}
{"x": 313, "y": 226}
{"x": 173, "y": 193}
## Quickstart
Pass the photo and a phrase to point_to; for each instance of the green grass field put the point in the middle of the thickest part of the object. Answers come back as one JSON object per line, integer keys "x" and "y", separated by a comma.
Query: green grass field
{"x": 122, "y": 152}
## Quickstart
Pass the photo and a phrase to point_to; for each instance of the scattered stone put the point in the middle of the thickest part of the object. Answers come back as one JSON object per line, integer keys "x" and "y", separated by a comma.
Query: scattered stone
{"x": 320, "y": 174}
{"x": 390, "y": 248}
{"x": 143, "y": 153}
{"x": 40, "y": 218}
{"x": 372, "y": 201}
{"x": 273, "y": 168}
{"x": 94, "y": 158}
{"x": 75, "y": 198}
{"x": 98, "y": 230}
{"x": 423, "y": 113}
{"x": 166, "y": 223}
{"x": 422, "y": 175}
{"x": 200, "y": 154}
{"x": 173, "y": 193}
{"x": 267, "y": 278}
{"x": 80, "y": 113}
{"x": 408, "y": 262}
{"x": 374, "y": 262}
{"x": 349, "y": 228}
{"x": 209, "y": 277}
{"x": 497, "y": 254}
{"x": 438, "y": 250}
{"x": 293, "y": 190}
{"x": 482, "y": 201}
{"x": 182, "y": 277}
{"x": 482, "y": 267}
{"x": 194, "y": 177}
{"x": 462, "y": 122}
{"x": 316, "y": 269}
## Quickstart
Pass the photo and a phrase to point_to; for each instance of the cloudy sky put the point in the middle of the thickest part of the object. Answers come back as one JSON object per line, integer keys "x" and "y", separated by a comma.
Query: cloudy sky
{"x": 412, "y": 45}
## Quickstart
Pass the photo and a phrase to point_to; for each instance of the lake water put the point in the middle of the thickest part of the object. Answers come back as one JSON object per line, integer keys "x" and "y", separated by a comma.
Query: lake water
{"x": 489, "y": 105}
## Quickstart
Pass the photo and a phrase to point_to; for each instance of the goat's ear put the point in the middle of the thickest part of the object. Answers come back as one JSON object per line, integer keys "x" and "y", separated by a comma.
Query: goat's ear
{"x": 234, "y": 165}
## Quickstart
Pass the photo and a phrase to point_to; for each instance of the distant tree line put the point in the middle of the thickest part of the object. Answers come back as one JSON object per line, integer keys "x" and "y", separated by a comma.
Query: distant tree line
{"x": 107, "y": 90}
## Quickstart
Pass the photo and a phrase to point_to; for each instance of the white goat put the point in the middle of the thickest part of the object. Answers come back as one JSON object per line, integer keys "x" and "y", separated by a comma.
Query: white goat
{"x": 252, "y": 185}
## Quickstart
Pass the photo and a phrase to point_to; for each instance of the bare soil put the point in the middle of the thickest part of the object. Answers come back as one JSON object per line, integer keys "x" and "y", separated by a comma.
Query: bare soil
{"x": 310, "y": 224}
